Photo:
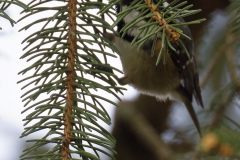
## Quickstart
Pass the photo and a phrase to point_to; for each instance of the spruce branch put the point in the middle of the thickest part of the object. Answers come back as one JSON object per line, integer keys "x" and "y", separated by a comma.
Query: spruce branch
{"x": 162, "y": 19}
{"x": 7, "y": 3}
{"x": 64, "y": 79}
{"x": 143, "y": 130}
{"x": 229, "y": 49}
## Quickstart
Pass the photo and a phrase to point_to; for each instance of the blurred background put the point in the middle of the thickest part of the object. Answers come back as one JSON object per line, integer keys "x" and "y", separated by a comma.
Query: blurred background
{"x": 142, "y": 125}
{"x": 217, "y": 58}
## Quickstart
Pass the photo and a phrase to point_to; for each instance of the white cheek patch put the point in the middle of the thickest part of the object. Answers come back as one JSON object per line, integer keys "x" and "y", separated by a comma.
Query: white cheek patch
{"x": 165, "y": 4}
{"x": 131, "y": 16}
{"x": 133, "y": 31}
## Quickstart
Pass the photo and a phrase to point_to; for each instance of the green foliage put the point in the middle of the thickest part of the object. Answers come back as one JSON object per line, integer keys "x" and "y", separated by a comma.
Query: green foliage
{"x": 7, "y": 3}
{"x": 46, "y": 99}
{"x": 234, "y": 9}
{"x": 228, "y": 135}
{"x": 166, "y": 25}
{"x": 222, "y": 114}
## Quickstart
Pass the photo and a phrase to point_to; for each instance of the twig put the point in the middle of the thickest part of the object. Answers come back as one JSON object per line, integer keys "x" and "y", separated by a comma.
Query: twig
{"x": 233, "y": 74}
{"x": 171, "y": 33}
{"x": 220, "y": 112}
{"x": 230, "y": 58}
{"x": 145, "y": 132}
{"x": 196, "y": 155}
{"x": 219, "y": 53}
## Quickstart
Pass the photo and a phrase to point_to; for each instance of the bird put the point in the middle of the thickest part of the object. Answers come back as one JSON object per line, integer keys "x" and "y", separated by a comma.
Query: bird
{"x": 175, "y": 77}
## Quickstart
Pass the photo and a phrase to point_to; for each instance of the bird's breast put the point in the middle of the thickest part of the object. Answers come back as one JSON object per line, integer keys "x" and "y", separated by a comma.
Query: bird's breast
{"x": 143, "y": 73}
